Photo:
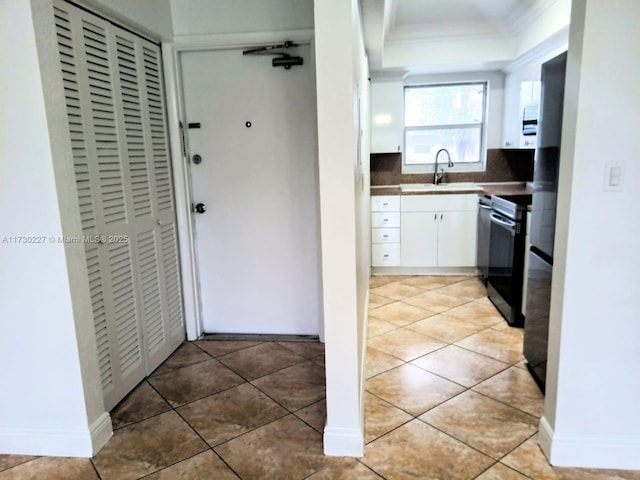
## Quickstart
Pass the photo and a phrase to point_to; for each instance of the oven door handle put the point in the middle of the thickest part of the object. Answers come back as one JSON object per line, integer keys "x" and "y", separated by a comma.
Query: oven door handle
{"x": 505, "y": 222}
{"x": 484, "y": 207}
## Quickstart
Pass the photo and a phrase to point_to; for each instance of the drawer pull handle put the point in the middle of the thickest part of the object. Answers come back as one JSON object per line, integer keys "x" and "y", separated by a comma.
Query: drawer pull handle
{"x": 385, "y": 219}
{"x": 385, "y": 236}
{"x": 386, "y": 255}
{"x": 385, "y": 204}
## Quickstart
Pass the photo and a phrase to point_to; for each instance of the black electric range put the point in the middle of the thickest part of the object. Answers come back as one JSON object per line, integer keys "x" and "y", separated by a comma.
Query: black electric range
{"x": 507, "y": 254}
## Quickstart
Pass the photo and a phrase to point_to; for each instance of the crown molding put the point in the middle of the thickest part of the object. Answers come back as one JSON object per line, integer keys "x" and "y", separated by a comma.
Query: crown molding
{"x": 521, "y": 19}
{"x": 557, "y": 41}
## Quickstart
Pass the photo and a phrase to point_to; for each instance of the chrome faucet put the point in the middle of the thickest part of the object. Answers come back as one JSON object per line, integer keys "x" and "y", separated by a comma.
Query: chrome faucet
{"x": 438, "y": 176}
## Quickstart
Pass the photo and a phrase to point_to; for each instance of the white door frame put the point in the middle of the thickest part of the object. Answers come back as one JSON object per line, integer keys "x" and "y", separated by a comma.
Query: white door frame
{"x": 180, "y": 163}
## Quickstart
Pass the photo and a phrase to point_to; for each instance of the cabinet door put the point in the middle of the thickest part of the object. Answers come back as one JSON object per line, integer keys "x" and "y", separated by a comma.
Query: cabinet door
{"x": 457, "y": 239}
{"x": 520, "y": 91}
{"x": 529, "y": 103}
{"x": 419, "y": 239}
{"x": 387, "y": 116}
{"x": 511, "y": 117}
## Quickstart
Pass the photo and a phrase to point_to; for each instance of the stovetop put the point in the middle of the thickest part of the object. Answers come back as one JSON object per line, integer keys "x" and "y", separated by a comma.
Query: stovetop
{"x": 521, "y": 199}
{"x": 511, "y": 206}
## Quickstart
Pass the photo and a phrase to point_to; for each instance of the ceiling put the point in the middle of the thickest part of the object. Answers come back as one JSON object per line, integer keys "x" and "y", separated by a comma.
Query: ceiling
{"x": 433, "y": 36}
{"x": 438, "y": 17}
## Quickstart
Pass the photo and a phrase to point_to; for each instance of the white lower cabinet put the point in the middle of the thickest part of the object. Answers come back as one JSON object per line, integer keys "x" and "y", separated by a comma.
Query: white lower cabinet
{"x": 385, "y": 231}
{"x": 438, "y": 231}
{"x": 424, "y": 230}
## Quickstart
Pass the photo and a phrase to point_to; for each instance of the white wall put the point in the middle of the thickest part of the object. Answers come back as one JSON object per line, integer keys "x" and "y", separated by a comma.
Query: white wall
{"x": 495, "y": 97}
{"x": 150, "y": 16}
{"x": 448, "y": 53}
{"x": 552, "y": 20}
{"x": 591, "y": 416}
{"x": 481, "y": 52}
{"x": 201, "y": 17}
{"x": 51, "y": 403}
{"x": 342, "y": 204}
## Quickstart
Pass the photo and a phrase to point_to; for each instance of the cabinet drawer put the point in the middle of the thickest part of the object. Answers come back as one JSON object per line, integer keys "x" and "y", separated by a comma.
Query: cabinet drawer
{"x": 385, "y": 203}
{"x": 439, "y": 203}
{"x": 385, "y": 254}
{"x": 385, "y": 219}
{"x": 385, "y": 235}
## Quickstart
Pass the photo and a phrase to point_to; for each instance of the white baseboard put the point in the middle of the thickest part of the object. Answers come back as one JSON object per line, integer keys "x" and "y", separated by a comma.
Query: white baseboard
{"x": 589, "y": 451}
{"x": 56, "y": 442}
{"x": 545, "y": 434}
{"x": 363, "y": 358}
{"x": 458, "y": 271}
{"x": 101, "y": 431}
{"x": 343, "y": 441}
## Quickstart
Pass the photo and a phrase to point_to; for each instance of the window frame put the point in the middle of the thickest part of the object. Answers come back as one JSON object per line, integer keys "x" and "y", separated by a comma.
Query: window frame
{"x": 478, "y": 166}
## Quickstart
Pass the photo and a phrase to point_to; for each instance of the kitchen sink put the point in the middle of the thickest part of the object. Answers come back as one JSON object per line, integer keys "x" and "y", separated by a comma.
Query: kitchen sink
{"x": 446, "y": 187}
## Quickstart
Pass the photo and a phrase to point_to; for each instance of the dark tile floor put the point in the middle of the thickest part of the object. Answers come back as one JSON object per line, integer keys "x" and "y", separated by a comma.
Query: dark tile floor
{"x": 447, "y": 397}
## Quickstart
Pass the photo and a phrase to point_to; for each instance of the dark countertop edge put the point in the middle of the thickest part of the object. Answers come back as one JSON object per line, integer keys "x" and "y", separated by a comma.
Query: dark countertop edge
{"x": 506, "y": 188}
{"x": 385, "y": 190}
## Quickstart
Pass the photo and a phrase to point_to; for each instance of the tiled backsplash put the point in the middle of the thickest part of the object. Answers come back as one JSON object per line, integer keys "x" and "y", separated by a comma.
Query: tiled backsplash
{"x": 502, "y": 166}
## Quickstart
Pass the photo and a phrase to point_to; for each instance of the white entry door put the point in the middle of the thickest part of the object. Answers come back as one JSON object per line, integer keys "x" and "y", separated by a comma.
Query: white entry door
{"x": 258, "y": 241}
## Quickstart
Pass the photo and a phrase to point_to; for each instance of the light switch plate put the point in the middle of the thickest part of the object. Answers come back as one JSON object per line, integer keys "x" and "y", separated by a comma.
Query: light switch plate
{"x": 613, "y": 176}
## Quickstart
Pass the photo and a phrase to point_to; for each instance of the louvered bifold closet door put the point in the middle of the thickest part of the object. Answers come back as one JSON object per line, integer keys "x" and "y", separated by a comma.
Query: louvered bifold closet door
{"x": 149, "y": 194}
{"x": 163, "y": 201}
{"x": 121, "y": 179}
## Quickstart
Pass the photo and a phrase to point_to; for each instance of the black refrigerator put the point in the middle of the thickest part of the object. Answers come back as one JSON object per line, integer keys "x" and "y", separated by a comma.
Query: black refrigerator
{"x": 543, "y": 217}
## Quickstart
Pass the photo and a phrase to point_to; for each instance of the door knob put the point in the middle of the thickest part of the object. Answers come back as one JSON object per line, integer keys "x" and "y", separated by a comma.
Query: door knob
{"x": 200, "y": 208}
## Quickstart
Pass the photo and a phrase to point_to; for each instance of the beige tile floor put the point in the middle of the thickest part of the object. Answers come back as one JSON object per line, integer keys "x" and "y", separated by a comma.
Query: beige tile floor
{"x": 447, "y": 397}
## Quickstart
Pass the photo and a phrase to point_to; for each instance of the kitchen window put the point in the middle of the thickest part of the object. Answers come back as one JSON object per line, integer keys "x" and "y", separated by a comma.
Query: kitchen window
{"x": 450, "y": 116}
